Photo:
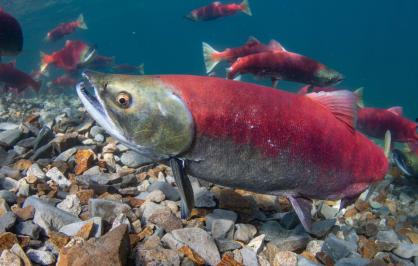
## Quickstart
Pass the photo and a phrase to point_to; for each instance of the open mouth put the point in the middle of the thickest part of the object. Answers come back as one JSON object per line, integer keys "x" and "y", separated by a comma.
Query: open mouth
{"x": 402, "y": 162}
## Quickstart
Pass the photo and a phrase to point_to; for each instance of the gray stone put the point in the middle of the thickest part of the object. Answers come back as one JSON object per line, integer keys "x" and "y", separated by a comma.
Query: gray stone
{"x": 169, "y": 191}
{"x": 257, "y": 243}
{"x": 221, "y": 223}
{"x": 337, "y": 248}
{"x": 302, "y": 261}
{"x": 73, "y": 228}
{"x": 328, "y": 212}
{"x": 7, "y": 220}
{"x": 10, "y": 197}
{"x": 19, "y": 150}
{"x": 244, "y": 232}
{"x": 227, "y": 245}
{"x": 273, "y": 230}
{"x": 47, "y": 216}
{"x": 398, "y": 261}
{"x": 289, "y": 220}
{"x": 133, "y": 159}
{"x": 387, "y": 240}
{"x": 154, "y": 254}
{"x": 66, "y": 155}
{"x": 285, "y": 258}
{"x": 8, "y": 183}
{"x": 352, "y": 262}
{"x": 41, "y": 257}
{"x": 28, "y": 229}
{"x": 101, "y": 179}
{"x": 9, "y": 137}
{"x": 292, "y": 242}
{"x": 249, "y": 257}
{"x": 219, "y": 214}
{"x": 198, "y": 240}
{"x": 155, "y": 196}
{"x": 58, "y": 177}
{"x": 204, "y": 199}
{"x": 95, "y": 130}
{"x": 107, "y": 209}
{"x": 23, "y": 188}
{"x": 8, "y": 126}
{"x": 314, "y": 246}
{"x": 121, "y": 219}
{"x": 70, "y": 204}
{"x": 166, "y": 220}
{"x": 35, "y": 170}
{"x": 406, "y": 250}
{"x": 322, "y": 227}
{"x": 149, "y": 208}
{"x": 99, "y": 138}
{"x": 10, "y": 172}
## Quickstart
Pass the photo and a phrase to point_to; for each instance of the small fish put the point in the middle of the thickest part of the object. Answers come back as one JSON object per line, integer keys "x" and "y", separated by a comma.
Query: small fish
{"x": 65, "y": 29}
{"x": 100, "y": 61}
{"x": 129, "y": 69}
{"x": 11, "y": 36}
{"x": 218, "y": 10}
{"x": 70, "y": 58}
{"x": 239, "y": 135}
{"x": 374, "y": 122}
{"x": 15, "y": 80}
{"x": 252, "y": 46}
{"x": 284, "y": 65}
{"x": 63, "y": 81}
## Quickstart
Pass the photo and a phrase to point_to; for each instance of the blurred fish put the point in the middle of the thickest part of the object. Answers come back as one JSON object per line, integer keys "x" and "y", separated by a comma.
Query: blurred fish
{"x": 129, "y": 69}
{"x": 284, "y": 65}
{"x": 100, "y": 61}
{"x": 73, "y": 55}
{"x": 240, "y": 135}
{"x": 15, "y": 80}
{"x": 375, "y": 122}
{"x": 63, "y": 81}
{"x": 11, "y": 36}
{"x": 65, "y": 29}
{"x": 218, "y": 10}
{"x": 253, "y": 46}
{"x": 407, "y": 161}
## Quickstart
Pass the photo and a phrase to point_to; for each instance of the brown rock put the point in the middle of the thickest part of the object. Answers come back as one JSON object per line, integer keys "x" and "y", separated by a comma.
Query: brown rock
{"x": 9, "y": 258}
{"x": 23, "y": 214}
{"x": 391, "y": 206}
{"x": 350, "y": 212}
{"x": 84, "y": 160}
{"x": 309, "y": 256}
{"x": 325, "y": 259}
{"x": 285, "y": 258}
{"x": 24, "y": 241}
{"x": 193, "y": 256}
{"x": 166, "y": 220}
{"x": 391, "y": 222}
{"x": 16, "y": 249}
{"x": 245, "y": 206}
{"x": 413, "y": 237}
{"x": 361, "y": 205}
{"x": 85, "y": 195}
{"x": 156, "y": 255}
{"x": 85, "y": 231}
{"x": 7, "y": 240}
{"x": 134, "y": 202}
{"x": 135, "y": 238}
{"x": 22, "y": 165}
{"x": 31, "y": 179}
{"x": 228, "y": 260}
{"x": 368, "y": 248}
{"x": 111, "y": 249}
{"x": 58, "y": 240}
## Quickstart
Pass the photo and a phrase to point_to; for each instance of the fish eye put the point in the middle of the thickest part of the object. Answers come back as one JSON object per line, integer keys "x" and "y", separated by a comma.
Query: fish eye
{"x": 123, "y": 99}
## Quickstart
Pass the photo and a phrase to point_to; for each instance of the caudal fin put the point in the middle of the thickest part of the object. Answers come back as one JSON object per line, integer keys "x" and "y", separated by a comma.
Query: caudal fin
{"x": 45, "y": 61}
{"x": 208, "y": 56}
{"x": 141, "y": 69}
{"x": 246, "y": 8}
{"x": 81, "y": 23}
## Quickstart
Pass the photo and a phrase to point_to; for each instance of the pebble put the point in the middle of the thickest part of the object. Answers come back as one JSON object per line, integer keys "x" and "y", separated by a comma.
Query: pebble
{"x": 204, "y": 199}
{"x": 23, "y": 214}
{"x": 257, "y": 243}
{"x": 328, "y": 212}
{"x": 227, "y": 245}
{"x": 7, "y": 221}
{"x": 166, "y": 220}
{"x": 337, "y": 248}
{"x": 155, "y": 196}
{"x": 9, "y": 137}
{"x": 107, "y": 209}
{"x": 41, "y": 257}
{"x": 302, "y": 261}
{"x": 249, "y": 256}
{"x": 133, "y": 159}
{"x": 406, "y": 250}
{"x": 149, "y": 208}
{"x": 221, "y": 223}
{"x": 314, "y": 246}
{"x": 154, "y": 254}
{"x": 4, "y": 207}
{"x": 10, "y": 197}
{"x": 285, "y": 258}
{"x": 73, "y": 228}
{"x": 70, "y": 204}
{"x": 289, "y": 220}
{"x": 322, "y": 227}
{"x": 121, "y": 219}
{"x": 9, "y": 258}
{"x": 352, "y": 262}
{"x": 35, "y": 170}
{"x": 66, "y": 155}
{"x": 58, "y": 177}
{"x": 244, "y": 232}
{"x": 95, "y": 130}
{"x": 387, "y": 240}
{"x": 8, "y": 183}
{"x": 28, "y": 228}
{"x": 169, "y": 191}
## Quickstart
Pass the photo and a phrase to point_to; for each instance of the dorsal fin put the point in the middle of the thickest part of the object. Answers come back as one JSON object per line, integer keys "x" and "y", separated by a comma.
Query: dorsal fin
{"x": 342, "y": 103}
{"x": 397, "y": 110}
{"x": 252, "y": 40}
{"x": 275, "y": 45}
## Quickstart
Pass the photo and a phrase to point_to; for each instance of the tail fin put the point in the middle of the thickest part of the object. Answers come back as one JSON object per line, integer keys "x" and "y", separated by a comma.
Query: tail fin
{"x": 210, "y": 61}
{"x": 81, "y": 23}
{"x": 246, "y": 8}
{"x": 359, "y": 94}
{"x": 141, "y": 69}
{"x": 45, "y": 61}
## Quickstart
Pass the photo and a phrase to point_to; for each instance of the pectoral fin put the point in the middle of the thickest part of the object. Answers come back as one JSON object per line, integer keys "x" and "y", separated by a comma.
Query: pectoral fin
{"x": 302, "y": 207}
{"x": 184, "y": 186}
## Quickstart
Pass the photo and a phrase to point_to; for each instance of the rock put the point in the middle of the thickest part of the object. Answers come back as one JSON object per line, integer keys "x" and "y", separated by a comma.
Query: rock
{"x": 290, "y": 220}
{"x": 7, "y": 240}
{"x": 328, "y": 212}
{"x": 244, "y": 232}
{"x": 133, "y": 159}
{"x": 8, "y": 126}
{"x": 28, "y": 229}
{"x": 9, "y": 258}
{"x": 84, "y": 160}
{"x": 352, "y": 262}
{"x": 58, "y": 177}
{"x": 85, "y": 195}
{"x": 273, "y": 230}
{"x": 9, "y": 137}
{"x": 149, "y": 208}
{"x": 86, "y": 230}
{"x": 23, "y": 188}
{"x": 221, "y": 223}
{"x": 156, "y": 255}
{"x": 66, "y": 155}
{"x": 95, "y": 130}
{"x": 70, "y": 204}
{"x": 245, "y": 206}
{"x": 191, "y": 255}
{"x": 4, "y": 207}
{"x": 257, "y": 243}
{"x": 73, "y": 228}
{"x": 285, "y": 258}
{"x": 170, "y": 192}
{"x": 41, "y": 257}
{"x": 47, "y": 216}
{"x": 249, "y": 256}
{"x": 198, "y": 240}
{"x": 166, "y": 220}
{"x": 292, "y": 242}
{"x": 95, "y": 170}
{"x": 406, "y": 250}
{"x": 17, "y": 249}
{"x": 10, "y": 172}
{"x": 387, "y": 240}
{"x": 7, "y": 220}
{"x": 155, "y": 196}
{"x": 23, "y": 214}
{"x": 107, "y": 209}
{"x": 57, "y": 241}
{"x": 337, "y": 248}
{"x": 322, "y": 227}
{"x": 111, "y": 249}
{"x": 227, "y": 245}
{"x": 204, "y": 199}
{"x": 314, "y": 246}
{"x": 121, "y": 219}
{"x": 35, "y": 170}
{"x": 302, "y": 261}
{"x": 99, "y": 138}
{"x": 10, "y": 197}
{"x": 101, "y": 179}
{"x": 8, "y": 183}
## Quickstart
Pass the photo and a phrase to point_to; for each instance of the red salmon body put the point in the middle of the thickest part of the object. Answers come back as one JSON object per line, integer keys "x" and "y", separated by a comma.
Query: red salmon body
{"x": 375, "y": 122}
{"x": 218, "y": 10}
{"x": 17, "y": 80}
{"x": 65, "y": 29}
{"x": 271, "y": 141}
{"x": 284, "y": 65}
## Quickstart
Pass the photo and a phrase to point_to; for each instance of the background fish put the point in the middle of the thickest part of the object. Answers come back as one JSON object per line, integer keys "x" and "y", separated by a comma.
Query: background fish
{"x": 11, "y": 36}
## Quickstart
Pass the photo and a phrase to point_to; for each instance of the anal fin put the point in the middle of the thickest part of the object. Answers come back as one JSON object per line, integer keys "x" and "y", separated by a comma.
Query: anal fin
{"x": 184, "y": 186}
{"x": 302, "y": 207}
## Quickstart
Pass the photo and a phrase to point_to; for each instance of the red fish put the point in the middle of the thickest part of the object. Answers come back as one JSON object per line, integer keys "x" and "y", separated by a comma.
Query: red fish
{"x": 63, "y": 81}
{"x": 241, "y": 135}
{"x": 375, "y": 122}
{"x": 284, "y": 65}
{"x": 73, "y": 55}
{"x": 129, "y": 69}
{"x": 218, "y": 10}
{"x": 253, "y": 46}
{"x": 65, "y": 29}
{"x": 11, "y": 36}
{"x": 16, "y": 80}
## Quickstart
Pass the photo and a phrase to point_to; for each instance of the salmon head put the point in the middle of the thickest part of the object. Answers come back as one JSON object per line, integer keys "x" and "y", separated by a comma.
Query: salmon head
{"x": 327, "y": 77}
{"x": 140, "y": 111}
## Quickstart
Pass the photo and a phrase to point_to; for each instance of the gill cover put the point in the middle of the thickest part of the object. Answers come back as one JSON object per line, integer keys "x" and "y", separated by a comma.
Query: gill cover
{"x": 145, "y": 113}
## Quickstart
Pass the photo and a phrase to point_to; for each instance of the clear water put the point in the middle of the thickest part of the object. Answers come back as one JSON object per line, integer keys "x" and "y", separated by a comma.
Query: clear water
{"x": 373, "y": 43}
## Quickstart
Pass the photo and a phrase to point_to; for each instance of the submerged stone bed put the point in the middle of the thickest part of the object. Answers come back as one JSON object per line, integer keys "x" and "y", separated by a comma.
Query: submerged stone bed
{"x": 71, "y": 195}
